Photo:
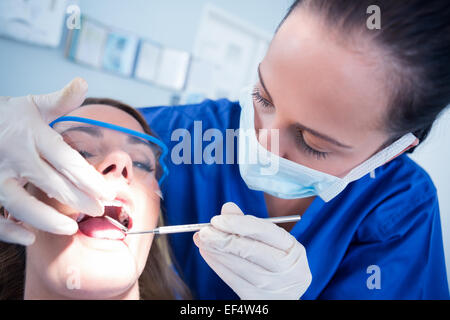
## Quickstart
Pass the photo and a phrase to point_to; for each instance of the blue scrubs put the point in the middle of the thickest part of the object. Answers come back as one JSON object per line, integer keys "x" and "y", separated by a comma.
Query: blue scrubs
{"x": 379, "y": 239}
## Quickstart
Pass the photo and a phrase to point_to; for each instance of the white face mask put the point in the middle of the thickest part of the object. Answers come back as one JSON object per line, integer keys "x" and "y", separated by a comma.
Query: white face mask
{"x": 286, "y": 179}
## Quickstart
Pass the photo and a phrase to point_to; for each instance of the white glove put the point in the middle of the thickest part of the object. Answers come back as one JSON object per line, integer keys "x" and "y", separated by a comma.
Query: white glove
{"x": 255, "y": 257}
{"x": 30, "y": 151}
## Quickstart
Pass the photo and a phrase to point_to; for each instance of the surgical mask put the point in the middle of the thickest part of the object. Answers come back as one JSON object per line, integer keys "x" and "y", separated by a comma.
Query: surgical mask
{"x": 95, "y": 140}
{"x": 286, "y": 179}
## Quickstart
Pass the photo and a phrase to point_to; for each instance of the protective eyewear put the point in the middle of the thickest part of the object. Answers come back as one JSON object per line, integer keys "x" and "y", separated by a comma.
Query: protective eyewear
{"x": 95, "y": 140}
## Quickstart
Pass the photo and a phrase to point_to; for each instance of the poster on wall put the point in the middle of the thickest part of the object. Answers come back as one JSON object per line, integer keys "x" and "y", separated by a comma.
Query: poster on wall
{"x": 228, "y": 51}
{"x": 119, "y": 53}
{"x": 163, "y": 67}
{"x": 35, "y": 21}
{"x": 147, "y": 64}
{"x": 88, "y": 44}
{"x": 107, "y": 49}
{"x": 173, "y": 69}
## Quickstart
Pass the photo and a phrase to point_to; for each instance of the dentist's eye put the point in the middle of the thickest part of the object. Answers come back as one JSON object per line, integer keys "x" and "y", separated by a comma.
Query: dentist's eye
{"x": 301, "y": 141}
{"x": 260, "y": 99}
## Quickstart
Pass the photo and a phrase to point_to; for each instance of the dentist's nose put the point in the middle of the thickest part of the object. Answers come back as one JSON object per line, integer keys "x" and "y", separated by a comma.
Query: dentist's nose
{"x": 271, "y": 138}
{"x": 117, "y": 164}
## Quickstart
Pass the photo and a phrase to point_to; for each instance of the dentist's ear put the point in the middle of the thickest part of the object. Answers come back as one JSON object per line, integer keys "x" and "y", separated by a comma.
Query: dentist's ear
{"x": 412, "y": 145}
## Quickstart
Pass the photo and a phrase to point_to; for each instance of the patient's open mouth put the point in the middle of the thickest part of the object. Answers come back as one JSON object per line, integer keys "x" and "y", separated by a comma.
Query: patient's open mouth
{"x": 101, "y": 227}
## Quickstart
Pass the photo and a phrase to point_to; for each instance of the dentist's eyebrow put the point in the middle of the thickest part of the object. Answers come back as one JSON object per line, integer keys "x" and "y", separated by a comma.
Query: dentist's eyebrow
{"x": 322, "y": 136}
{"x": 302, "y": 127}
{"x": 96, "y": 132}
{"x": 262, "y": 83}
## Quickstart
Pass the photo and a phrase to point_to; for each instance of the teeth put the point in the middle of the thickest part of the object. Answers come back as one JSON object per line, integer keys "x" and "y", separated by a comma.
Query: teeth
{"x": 124, "y": 213}
{"x": 123, "y": 216}
{"x": 113, "y": 203}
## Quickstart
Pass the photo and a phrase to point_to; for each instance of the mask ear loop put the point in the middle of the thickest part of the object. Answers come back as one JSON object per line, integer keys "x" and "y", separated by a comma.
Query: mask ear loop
{"x": 382, "y": 157}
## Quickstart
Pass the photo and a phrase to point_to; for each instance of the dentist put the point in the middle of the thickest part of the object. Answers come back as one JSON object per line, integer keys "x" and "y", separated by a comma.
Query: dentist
{"x": 346, "y": 103}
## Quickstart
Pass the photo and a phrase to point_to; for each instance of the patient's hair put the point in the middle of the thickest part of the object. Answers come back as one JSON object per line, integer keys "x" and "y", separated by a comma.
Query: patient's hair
{"x": 159, "y": 280}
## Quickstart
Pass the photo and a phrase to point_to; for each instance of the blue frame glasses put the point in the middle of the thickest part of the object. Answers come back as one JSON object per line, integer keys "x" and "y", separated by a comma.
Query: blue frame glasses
{"x": 137, "y": 134}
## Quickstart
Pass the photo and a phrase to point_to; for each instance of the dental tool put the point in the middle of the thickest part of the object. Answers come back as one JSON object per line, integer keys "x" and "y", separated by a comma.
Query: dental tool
{"x": 117, "y": 224}
{"x": 198, "y": 226}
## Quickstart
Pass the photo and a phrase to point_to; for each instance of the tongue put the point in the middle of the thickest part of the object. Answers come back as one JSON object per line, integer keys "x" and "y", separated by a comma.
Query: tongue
{"x": 100, "y": 227}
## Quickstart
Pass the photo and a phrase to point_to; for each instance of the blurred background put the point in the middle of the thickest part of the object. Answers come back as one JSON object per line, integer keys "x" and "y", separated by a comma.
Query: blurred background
{"x": 160, "y": 52}
{"x": 145, "y": 52}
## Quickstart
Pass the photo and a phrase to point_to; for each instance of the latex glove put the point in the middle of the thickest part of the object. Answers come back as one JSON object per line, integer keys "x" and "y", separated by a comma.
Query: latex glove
{"x": 30, "y": 151}
{"x": 255, "y": 257}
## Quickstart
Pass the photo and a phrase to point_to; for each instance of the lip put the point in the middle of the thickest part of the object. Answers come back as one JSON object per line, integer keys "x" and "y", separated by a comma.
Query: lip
{"x": 101, "y": 244}
{"x": 123, "y": 199}
{"x": 126, "y": 201}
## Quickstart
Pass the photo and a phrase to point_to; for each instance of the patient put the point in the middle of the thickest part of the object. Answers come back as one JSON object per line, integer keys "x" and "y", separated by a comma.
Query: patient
{"x": 100, "y": 261}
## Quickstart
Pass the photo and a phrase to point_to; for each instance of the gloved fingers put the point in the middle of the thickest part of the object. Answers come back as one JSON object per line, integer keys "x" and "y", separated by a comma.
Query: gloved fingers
{"x": 226, "y": 274}
{"x": 283, "y": 242}
{"x": 266, "y": 256}
{"x": 59, "y": 103}
{"x": 230, "y": 208}
{"x": 58, "y": 187}
{"x": 13, "y": 233}
{"x": 239, "y": 285}
{"x": 255, "y": 228}
{"x": 242, "y": 287}
{"x": 26, "y": 208}
{"x": 72, "y": 165}
{"x": 252, "y": 282}
{"x": 254, "y": 274}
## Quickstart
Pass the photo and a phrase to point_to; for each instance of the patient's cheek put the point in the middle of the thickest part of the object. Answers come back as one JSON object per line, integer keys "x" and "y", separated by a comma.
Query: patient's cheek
{"x": 42, "y": 196}
{"x": 152, "y": 211}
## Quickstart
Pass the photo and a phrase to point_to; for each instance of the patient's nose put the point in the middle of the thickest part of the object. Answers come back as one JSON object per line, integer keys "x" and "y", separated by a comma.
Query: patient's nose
{"x": 117, "y": 164}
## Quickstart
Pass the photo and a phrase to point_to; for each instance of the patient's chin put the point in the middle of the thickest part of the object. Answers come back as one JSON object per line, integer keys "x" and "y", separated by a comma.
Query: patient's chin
{"x": 73, "y": 268}
{"x": 97, "y": 276}
{"x": 112, "y": 284}
{"x": 83, "y": 267}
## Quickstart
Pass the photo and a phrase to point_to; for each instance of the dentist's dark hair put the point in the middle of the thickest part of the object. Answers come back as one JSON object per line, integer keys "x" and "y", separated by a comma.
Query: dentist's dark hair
{"x": 415, "y": 39}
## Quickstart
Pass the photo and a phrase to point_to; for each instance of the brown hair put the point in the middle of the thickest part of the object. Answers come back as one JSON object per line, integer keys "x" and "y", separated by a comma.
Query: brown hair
{"x": 159, "y": 280}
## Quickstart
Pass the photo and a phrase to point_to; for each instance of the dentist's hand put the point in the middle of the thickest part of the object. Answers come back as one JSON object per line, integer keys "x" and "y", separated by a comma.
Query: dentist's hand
{"x": 30, "y": 151}
{"x": 255, "y": 257}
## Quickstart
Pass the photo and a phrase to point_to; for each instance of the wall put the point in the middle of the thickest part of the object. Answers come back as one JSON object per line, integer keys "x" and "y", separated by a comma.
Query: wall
{"x": 434, "y": 156}
{"x": 170, "y": 22}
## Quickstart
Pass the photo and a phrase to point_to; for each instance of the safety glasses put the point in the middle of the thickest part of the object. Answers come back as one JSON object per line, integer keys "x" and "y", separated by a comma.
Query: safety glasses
{"x": 99, "y": 141}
